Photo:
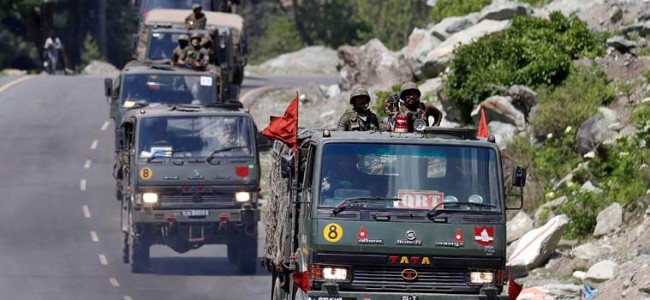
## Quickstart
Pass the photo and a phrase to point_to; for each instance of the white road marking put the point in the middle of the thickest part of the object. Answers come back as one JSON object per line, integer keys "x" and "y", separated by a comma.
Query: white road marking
{"x": 105, "y": 125}
{"x": 94, "y": 237}
{"x": 10, "y": 84}
{"x": 87, "y": 164}
{"x": 114, "y": 282}
{"x": 93, "y": 146}
{"x": 86, "y": 211}
{"x": 103, "y": 260}
{"x": 82, "y": 184}
{"x": 128, "y": 298}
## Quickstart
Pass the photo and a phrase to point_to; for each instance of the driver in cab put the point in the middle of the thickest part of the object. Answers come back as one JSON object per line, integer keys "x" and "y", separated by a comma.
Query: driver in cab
{"x": 155, "y": 139}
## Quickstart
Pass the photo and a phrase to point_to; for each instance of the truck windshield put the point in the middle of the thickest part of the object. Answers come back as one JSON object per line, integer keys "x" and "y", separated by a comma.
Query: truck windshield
{"x": 168, "y": 88}
{"x": 195, "y": 136}
{"x": 420, "y": 176}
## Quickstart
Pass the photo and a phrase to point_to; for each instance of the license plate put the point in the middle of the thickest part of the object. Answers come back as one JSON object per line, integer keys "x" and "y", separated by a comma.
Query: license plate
{"x": 195, "y": 213}
{"x": 409, "y": 297}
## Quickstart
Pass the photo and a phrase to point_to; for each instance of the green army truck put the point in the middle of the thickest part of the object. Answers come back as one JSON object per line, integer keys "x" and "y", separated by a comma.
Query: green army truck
{"x": 190, "y": 177}
{"x": 380, "y": 215}
{"x": 159, "y": 36}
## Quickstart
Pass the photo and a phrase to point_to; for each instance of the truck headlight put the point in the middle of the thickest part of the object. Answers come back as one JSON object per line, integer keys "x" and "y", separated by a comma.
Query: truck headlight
{"x": 336, "y": 273}
{"x": 242, "y": 196}
{"x": 150, "y": 198}
{"x": 481, "y": 277}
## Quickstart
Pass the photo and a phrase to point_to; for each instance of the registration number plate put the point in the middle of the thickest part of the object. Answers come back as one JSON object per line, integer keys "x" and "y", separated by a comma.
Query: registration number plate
{"x": 409, "y": 297}
{"x": 195, "y": 213}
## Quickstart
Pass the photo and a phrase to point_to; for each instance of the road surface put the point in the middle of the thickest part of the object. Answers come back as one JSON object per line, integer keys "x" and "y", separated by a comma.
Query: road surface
{"x": 59, "y": 220}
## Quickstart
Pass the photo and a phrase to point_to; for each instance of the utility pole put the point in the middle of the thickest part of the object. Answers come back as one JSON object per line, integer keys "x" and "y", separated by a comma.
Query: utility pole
{"x": 101, "y": 36}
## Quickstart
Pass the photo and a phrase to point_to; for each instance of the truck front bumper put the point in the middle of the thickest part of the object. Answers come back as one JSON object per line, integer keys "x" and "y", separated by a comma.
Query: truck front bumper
{"x": 231, "y": 215}
{"x": 398, "y": 296}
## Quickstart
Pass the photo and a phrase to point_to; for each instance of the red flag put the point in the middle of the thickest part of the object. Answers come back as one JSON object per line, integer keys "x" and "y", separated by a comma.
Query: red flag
{"x": 482, "y": 126}
{"x": 285, "y": 128}
{"x": 514, "y": 289}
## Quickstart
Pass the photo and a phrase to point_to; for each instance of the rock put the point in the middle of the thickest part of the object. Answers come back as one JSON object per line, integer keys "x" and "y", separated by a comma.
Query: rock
{"x": 371, "y": 65}
{"x": 631, "y": 279}
{"x": 600, "y": 272}
{"x": 437, "y": 60}
{"x": 13, "y": 72}
{"x": 608, "y": 220}
{"x": 534, "y": 293}
{"x": 97, "y": 67}
{"x": 309, "y": 60}
{"x": 420, "y": 43}
{"x": 568, "y": 7}
{"x": 549, "y": 207}
{"x": 621, "y": 44}
{"x": 616, "y": 14}
{"x": 511, "y": 248}
{"x": 628, "y": 130}
{"x": 588, "y": 251}
{"x": 594, "y": 131}
{"x": 518, "y": 226}
{"x": 503, "y": 133}
{"x": 499, "y": 108}
{"x": 523, "y": 98}
{"x": 504, "y": 11}
{"x": 589, "y": 187}
{"x": 429, "y": 88}
{"x": 580, "y": 275}
{"x": 538, "y": 244}
{"x": 639, "y": 28}
{"x": 452, "y": 25}
{"x": 332, "y": 90}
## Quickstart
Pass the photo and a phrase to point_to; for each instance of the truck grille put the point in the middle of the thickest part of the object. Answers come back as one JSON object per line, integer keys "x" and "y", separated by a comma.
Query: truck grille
{"x": 390, "y": 279}
{"x": 201, "y": 198}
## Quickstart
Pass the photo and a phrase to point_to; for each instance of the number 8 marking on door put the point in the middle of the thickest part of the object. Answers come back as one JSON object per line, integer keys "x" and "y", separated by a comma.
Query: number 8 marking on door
{"x": 146, "y": 173}
{"x": 333, "y": 232}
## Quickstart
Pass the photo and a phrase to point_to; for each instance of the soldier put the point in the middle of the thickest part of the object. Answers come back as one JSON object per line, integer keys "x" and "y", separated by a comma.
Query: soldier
{"x": 178, "y": 56}
{"x": 359, "y": 118}
{"x": 195, "y": 55}
{"x": 197, "y": 19}
{"x": 408, "y": 103}
{"x": 207, "y": 45}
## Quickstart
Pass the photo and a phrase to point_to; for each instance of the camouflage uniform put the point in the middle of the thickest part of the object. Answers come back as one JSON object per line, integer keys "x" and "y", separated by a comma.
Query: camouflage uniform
{"x": 179, "y": 53}
{"x": 196, "y": 20}
{"x": 358, "y": 118}
{"x": 194, "y": 53}
{"x": 395, "y": 105}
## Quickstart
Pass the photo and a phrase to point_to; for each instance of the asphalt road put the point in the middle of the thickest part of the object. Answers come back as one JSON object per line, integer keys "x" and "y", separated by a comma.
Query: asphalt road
{"x": 59, "y": 220}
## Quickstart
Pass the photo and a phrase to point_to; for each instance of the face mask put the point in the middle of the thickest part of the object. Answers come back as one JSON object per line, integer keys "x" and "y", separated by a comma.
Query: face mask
{"x": 195, "y": 43}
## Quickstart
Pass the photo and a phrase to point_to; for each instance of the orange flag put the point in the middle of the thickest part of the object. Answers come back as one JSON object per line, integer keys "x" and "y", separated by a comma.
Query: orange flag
{"x": 285, "y": 128}
{"x": 482, "y": 126}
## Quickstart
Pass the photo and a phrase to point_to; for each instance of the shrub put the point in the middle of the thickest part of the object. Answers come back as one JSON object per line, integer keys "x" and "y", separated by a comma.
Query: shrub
{"x": 90, "y": 51}
{"x": 450, "y": 8}
{"x": 533, "y": 51}
{"x": 281, "y": 37}
{"x": 641, "y": 116}
{"x": 571, "y": 103}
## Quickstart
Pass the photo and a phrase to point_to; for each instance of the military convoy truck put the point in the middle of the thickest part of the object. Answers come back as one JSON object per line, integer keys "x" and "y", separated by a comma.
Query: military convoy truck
{"x": 190, "y": 177}
{"x": 369, "y": 215}
{"x": 159, "y": 36}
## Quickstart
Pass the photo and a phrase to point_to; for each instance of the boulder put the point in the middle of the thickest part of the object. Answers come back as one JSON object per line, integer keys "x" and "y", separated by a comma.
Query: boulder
{"x": 641, "y": 29}
{"x": 616, "y": 14}
{"x": 421, "y": 42}
{"x": 537, "y": 245}
{"x": 549, "y": 207}
{"x": 97, "y": 67}
{"x": 503, "y": 132}
{"x": 371, "y": 65}
{"x": 627, "y": 131}
{"x": 518, "y": 226}
{"x": 429, "y": 88}
{"x": 621, "y": 44}
{"x": 589, "y": 187}
{"x": 500, "y": 108}
{"x": 437, "y": 60}
{"x": 608, "y": 220}
{"x": 580, "y": 275}
{"x": 631, "y": 280}
{"x": 595, "y": 131}
{"x": 309, "y": 60}
{"x": 506, "y": 10}
{"x": 588, "y": 251}
{"x": 550, "y": 292}
{"x": 523, "y": 98}
{"x": 600, "y": 272}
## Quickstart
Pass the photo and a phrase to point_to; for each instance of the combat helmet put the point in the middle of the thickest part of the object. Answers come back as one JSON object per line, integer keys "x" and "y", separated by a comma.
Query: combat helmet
{"x": 196, "y": 6}
{"x": 408, "y": 86}
{"x": 359, "y": 92}
{"x": 183, "y": 37}
{"x": 197, "y": 35}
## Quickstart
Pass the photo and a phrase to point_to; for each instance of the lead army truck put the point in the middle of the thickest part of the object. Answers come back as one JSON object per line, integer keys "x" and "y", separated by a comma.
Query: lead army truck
{"x": 189, "y": 177}
{"x": 367, "y": 215}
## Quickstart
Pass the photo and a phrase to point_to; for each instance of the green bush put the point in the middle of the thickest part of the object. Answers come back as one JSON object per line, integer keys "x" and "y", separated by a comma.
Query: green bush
{"x": 450, "y": 8}
{"x": 571, "y": 103}
{"x": 641, "y": 115}
{"x": 533, "y": 51}
{"x": 281, "y": 37}
{"x": 90, "y": 51}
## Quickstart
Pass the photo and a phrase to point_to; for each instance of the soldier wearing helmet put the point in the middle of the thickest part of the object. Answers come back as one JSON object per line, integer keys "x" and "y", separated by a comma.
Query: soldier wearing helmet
{"x": 359, "y": 118}
{"x": 196, "y": 19}
{"x": 195, "y": 55}
{"x": 408, "y": 104}
{"x": 178, "y": 56}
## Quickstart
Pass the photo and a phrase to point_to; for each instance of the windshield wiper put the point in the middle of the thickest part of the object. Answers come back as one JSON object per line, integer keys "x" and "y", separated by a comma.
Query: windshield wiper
{"x": 154, "y": 154}
{"x": 435, "y": 211}
{"x": 351, "y": 201}
{"x": 211, "y": 156}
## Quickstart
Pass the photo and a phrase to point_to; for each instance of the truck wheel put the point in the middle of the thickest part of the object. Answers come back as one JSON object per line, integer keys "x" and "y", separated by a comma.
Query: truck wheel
{"x": 233, "y": 252}
{"x": 139, "y": 256}
{"x": 248, "y": 254}
{"x": 238, "y": 76}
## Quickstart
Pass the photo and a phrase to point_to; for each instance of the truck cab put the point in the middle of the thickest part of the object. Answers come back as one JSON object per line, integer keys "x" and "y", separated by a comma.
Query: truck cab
{"x": 189, "y": 177}
{"x": 388, "y": 216}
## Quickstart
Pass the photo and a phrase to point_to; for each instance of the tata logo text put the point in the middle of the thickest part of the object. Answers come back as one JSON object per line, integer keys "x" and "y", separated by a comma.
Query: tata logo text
{"x": 409, "y": 260}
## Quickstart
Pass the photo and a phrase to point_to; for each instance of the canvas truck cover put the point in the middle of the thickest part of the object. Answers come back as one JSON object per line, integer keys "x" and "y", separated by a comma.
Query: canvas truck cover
{"x": 214, "y": 20}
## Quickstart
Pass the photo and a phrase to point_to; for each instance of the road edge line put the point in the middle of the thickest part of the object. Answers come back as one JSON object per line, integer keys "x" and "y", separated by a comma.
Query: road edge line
{"x": 14, "y": 82}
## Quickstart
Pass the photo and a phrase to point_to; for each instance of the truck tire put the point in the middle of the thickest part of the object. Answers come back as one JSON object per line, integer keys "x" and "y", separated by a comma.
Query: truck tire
{"x": 139, "y": 256}
{"x": 233, "y": 252}
{"x": 238, "y": 75}
{"x": 248, "y": 254}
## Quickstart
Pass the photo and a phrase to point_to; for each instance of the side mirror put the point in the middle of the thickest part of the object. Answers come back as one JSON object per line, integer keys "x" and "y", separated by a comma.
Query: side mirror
{"x": 263, "y": 143}
{"x": 108, "y": 87}
{"x": 120, "y": 140}
{"x": 286, "y": 163}
{"x": 518, "y": 176}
